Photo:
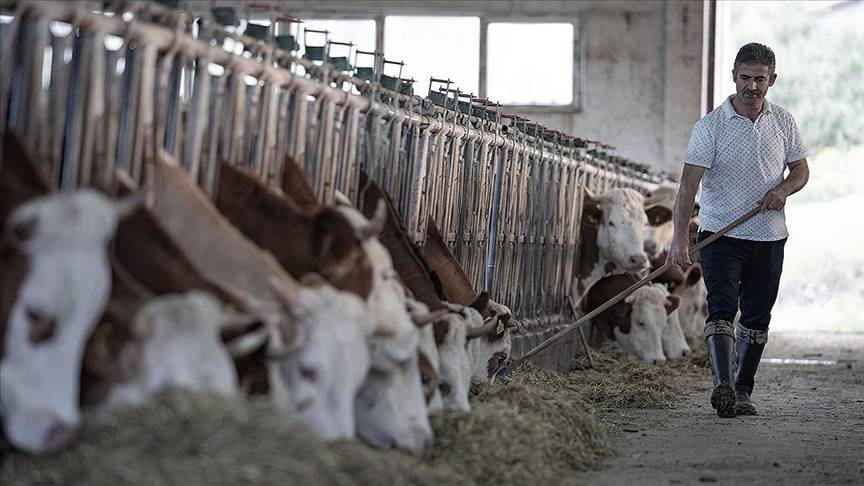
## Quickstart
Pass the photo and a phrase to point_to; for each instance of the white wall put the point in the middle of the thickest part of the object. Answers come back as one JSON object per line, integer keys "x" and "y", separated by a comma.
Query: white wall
{"x": 643, "y": 64}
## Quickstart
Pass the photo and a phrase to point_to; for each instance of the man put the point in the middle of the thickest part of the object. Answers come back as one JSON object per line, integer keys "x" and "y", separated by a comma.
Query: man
{"x": 739, "y": 152}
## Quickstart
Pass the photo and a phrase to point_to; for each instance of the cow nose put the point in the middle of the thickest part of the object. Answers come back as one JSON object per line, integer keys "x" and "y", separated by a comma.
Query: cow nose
{"x": 640, "y": 260}
{"x": 650, "y": 248}
{"x": 58, "y": 437}
{"x": 24, "y": 230}
{"x": 659, "y": 361}
{"x": 685, "y": 352}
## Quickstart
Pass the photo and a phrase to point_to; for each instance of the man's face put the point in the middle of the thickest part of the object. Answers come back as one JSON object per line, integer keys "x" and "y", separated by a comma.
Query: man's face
{"x": 752, "y": 82}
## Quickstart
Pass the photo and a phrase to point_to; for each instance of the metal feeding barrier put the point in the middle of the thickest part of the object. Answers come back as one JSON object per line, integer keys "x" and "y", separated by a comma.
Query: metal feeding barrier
{"x": 95, "y": 92}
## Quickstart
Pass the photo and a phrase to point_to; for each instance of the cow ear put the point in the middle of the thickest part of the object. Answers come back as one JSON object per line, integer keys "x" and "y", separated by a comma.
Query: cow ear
{"x": 658, "y": 214}
{"x": 127, "y": 205}
{"x": 285, "y": 290}
{"x": 693, "y": 275}
{"x": 376, "y": 224}
{"x": 672, "y": 303}
{"x": 481, "y": 302}
{"x": 591, "y": 211}
{"x": 341, "y": 199}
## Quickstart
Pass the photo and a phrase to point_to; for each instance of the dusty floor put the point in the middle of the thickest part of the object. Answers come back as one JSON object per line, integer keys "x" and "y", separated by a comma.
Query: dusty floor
{"x": 810, "y": 427}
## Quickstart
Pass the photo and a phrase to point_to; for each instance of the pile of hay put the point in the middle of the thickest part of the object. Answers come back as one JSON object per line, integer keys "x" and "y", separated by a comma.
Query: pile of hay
{"x": 194, "y": 439}
{"x": 537, "y": 429}
{"x": 540, "y": 428}
{"x": 618, "y": 380}
{"x": 533, "y": 430}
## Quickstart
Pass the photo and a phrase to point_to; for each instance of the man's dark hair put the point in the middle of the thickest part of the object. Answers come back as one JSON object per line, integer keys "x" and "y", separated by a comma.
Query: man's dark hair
{"x": 754, "y": 53}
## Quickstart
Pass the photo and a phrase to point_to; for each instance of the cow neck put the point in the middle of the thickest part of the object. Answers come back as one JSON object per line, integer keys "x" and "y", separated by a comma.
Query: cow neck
{"x": 218, "y": 249}
{"x": 295, "y": 185}
{"x": 264, "y": 215}
{"x": 113, "y": 352}
{"x": 409, "y": 264}
{"x": 589, "y": 252}
{"x": 151, "y": 257}
{"x": 616, "y": 316}
{"x": 20, "y": 177}
{"x": 456, "y": 285}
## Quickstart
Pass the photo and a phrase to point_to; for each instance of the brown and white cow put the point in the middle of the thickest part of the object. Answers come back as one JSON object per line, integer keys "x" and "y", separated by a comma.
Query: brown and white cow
{"x": 611, "y": 237}
{"x": 66, "y": 288}
{"x": 637, "y": 323}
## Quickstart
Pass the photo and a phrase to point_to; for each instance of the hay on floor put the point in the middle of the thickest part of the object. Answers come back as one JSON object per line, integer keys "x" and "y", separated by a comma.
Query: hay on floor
{"x": 534, "y": 430}
{"x": 618, "y": 380}
{"x": 194, "y": 439}
{"x": 539, "y": 429}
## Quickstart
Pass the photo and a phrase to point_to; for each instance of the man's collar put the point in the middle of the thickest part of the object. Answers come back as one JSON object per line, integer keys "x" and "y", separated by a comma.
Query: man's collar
{"x": 767, "y": 107}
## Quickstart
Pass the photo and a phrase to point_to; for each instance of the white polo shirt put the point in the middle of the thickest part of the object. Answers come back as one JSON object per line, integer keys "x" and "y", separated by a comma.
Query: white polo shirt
{"x": 743, "y": 160}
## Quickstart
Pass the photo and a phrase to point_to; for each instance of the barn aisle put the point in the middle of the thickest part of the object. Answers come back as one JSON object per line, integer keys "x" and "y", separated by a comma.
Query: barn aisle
{"x": 809, "y": 431}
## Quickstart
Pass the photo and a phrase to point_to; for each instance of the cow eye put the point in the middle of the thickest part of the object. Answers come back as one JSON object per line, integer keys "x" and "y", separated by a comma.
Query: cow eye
{"x": 41, "y": 327}
{"x": 308, "y": 373}
{"x": 641, "y": 324}
{"x": 611, "y": 223}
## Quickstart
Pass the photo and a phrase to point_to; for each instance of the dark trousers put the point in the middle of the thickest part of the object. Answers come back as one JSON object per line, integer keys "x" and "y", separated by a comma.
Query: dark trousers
{"x": 741, "y": 274}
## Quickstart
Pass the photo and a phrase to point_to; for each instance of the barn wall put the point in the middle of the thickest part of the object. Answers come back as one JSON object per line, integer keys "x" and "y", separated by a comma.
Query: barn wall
{"x": 642, "y": 80}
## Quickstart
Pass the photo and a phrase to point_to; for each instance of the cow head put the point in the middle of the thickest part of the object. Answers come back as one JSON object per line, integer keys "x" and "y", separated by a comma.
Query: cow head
{"x": 179, "y": 346}
{"x": 319, "y": 355}
{"x": 648, "y": 312}
{"x": 428, "y": 357}
{"x": 658, "y": 208}
{"x": 391, "y": 408}
{"x": 620, "y": 220}
{"x": 451, "y": 337}
{"x": 66, "y": 289}
{"x": 490, "y": 343}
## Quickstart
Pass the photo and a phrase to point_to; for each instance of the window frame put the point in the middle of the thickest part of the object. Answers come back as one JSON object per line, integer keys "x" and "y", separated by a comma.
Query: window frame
{"x": 579, "y": 47}
{"x": 575, "y": 105}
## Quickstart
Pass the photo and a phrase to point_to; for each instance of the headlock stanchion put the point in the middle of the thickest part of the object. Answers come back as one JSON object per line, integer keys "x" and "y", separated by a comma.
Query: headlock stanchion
{"x": 100, "y": 94}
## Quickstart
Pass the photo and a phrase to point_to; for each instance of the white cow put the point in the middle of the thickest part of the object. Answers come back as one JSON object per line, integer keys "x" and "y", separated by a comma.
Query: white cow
{"x": 493, "y": 343}
{"x": 65, "y": 291}
{"x": 658, "y": 233}
{"x": 637, "y": 323}
{"x": 178, "y": 345}
{"x": 319, "y": 355}
{"x": 391, "y": 408}
{"x": 615, "y": 244}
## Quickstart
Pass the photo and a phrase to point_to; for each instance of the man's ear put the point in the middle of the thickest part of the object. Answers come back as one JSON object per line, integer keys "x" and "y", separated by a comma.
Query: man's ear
{"x": 733, "y": 75}
{"x": 772, "y": 79}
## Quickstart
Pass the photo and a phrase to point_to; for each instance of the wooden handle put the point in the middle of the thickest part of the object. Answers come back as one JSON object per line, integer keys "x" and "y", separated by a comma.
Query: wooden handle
{"x": 629, "y": 290}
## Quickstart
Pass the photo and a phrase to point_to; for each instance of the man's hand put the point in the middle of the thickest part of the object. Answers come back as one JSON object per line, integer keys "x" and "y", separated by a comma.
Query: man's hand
{"x": 774, "y": 199}
{"x": 679, "y": 253}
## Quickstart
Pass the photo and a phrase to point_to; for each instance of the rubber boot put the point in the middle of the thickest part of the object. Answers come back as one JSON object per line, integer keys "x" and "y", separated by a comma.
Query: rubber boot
{"x": 749, "y": 343}
{"x": 720, "y": 341}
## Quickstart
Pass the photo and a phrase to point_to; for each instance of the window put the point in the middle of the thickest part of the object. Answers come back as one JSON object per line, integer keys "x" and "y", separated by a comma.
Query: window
{"x": 440, "y": 47}
{"x": 530, "y": 64}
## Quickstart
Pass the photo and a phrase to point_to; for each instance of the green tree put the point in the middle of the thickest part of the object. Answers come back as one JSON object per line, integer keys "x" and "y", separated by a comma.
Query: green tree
{"x": 820, "y": 68}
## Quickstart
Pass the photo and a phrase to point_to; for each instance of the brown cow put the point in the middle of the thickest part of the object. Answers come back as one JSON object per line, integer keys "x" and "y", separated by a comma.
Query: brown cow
{"x": 302, "y": 241}
{"x": 455, "y": 284}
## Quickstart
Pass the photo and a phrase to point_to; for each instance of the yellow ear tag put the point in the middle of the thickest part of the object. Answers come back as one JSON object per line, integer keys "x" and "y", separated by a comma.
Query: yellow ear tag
{"x": 499, "y": 329}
